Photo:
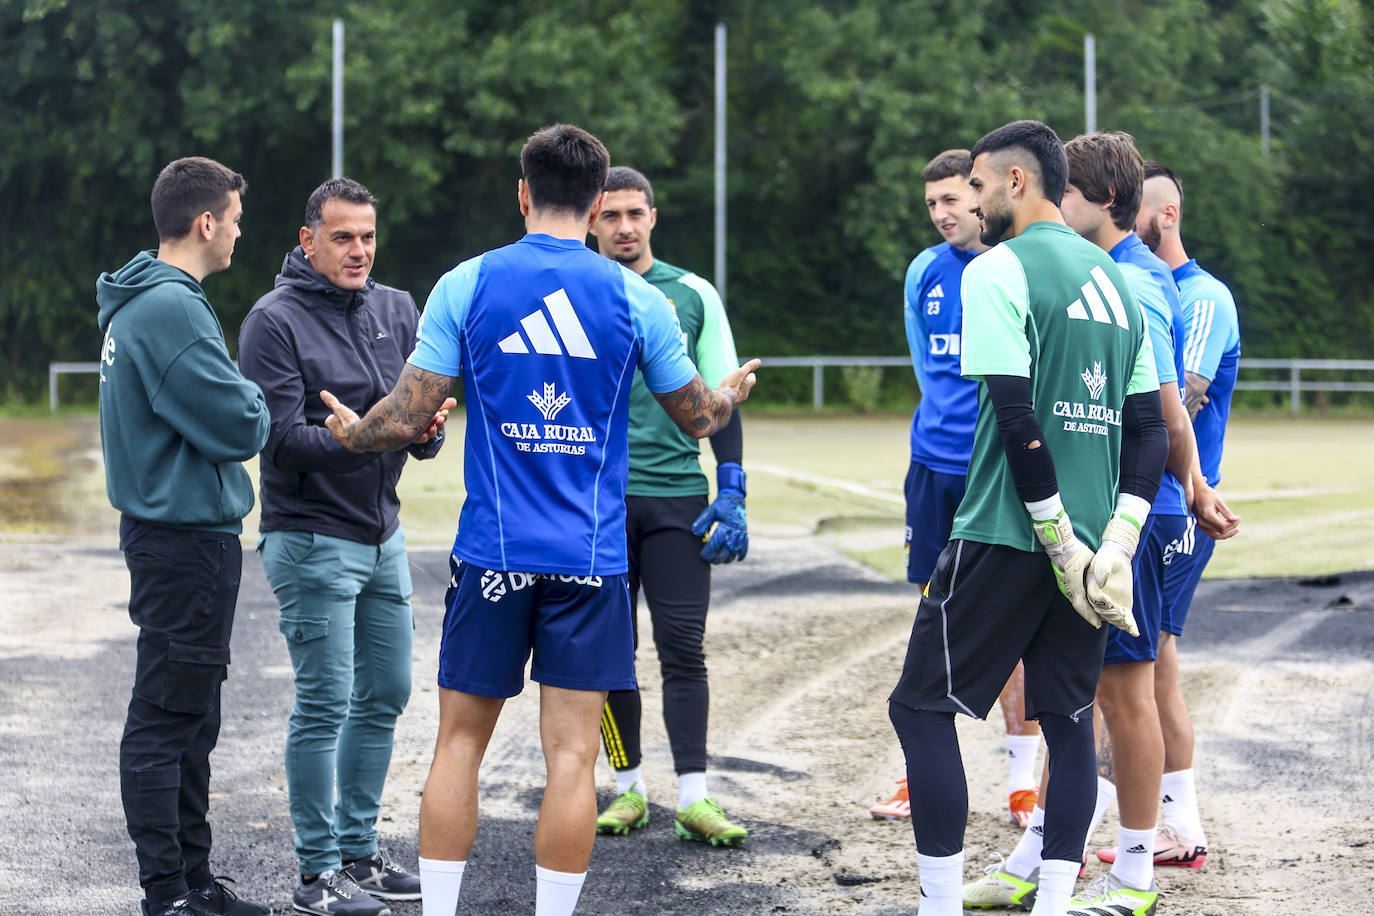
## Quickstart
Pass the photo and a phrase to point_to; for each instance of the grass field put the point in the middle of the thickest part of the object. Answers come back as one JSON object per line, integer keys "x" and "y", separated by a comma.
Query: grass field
{"x": 1302, "y": 487}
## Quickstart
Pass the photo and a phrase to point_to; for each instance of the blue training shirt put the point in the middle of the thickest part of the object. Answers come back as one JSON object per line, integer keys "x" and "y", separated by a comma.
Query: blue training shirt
{"x": 942, "y": 427}
{"x": 1153, "y": 285}
{"x": 547, "y": 334}
{"x": 1211, "y": 350}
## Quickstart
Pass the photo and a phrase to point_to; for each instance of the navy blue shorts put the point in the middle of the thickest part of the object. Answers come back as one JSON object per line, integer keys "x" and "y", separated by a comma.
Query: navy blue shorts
{"x": 1184, "y": 561}
{"x": 931, "y": 500}
{"x": 1152, "y": 559}
{"x": 578, "y": 628}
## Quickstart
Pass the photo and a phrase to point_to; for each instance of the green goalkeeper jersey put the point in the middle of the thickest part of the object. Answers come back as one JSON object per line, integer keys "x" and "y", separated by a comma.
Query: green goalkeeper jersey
{"x": 1052, "y": 307}
{"x": 665, "y": 461}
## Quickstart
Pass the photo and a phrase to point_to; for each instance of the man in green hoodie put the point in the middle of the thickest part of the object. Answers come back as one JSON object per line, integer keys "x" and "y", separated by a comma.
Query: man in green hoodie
{"x": 176, "y": 421}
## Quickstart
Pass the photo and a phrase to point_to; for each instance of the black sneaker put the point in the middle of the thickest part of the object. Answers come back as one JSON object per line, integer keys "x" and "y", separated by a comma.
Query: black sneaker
{"x": 189, "y": 905}
{"x": 333, "y": 893}
{"x": 221, "y": 901}
{"x": 383, "y": 878}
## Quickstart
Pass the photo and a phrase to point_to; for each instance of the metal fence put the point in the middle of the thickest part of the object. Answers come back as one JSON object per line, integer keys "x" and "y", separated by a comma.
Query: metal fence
{"x": 1299, "y": 374}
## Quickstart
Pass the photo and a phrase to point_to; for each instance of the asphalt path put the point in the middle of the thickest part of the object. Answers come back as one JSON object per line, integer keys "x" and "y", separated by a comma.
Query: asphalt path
{"x": 60, "y": 722}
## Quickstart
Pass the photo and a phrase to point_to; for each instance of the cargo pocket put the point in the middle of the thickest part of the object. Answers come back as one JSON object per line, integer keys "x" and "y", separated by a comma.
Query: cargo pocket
{"x": 303, "y": 631}
{"x": 194, "y": 673}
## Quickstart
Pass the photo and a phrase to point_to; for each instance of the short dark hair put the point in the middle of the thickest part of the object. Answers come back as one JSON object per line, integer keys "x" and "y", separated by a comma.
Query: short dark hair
{"x": 345, "y": 189}
{"x": 1037, "y": 141}
{"x": 1106, "y": 166}
{"x": 565, "y": 168}
{"x": 624, "y": 178}
{"x": 188, "y": 187}
{"x": 952, "y": 163}
{"x": 1155, "y": 170}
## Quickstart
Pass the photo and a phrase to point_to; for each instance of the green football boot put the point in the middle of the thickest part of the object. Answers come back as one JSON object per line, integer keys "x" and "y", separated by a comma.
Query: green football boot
{"x": 629, "y": 811}
{"x": 704, "y": 822}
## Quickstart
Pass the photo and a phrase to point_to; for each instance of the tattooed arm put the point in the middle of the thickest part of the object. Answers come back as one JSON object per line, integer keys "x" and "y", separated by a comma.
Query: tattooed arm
{"x": 700, "y": 411}
{"x": 397, "y": 419}
{"x": 1196, "y": 395}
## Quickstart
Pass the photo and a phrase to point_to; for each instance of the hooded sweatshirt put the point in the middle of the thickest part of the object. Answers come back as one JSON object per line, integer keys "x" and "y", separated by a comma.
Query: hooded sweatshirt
{"x": 305, "y": 335}
{"x": 177, "y": 418}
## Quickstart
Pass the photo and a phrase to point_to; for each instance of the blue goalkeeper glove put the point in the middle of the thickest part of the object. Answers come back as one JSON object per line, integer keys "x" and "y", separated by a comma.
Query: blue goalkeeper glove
{"x": 730, "y": 539}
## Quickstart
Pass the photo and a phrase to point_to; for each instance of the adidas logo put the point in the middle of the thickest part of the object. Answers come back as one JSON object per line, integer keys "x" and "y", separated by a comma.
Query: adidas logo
{"x": 937, "y": 293}
{"x": 1168, "y": 799}
{"x": 541, "y": 335}
{"x": 1136, "y": 850}
{"x": 1038, "y": 831}
{"x": 1094, "y": 299}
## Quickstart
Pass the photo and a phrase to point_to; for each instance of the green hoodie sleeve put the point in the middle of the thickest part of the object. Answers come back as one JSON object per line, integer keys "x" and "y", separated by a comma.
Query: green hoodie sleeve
{"x": 204, "y": 397}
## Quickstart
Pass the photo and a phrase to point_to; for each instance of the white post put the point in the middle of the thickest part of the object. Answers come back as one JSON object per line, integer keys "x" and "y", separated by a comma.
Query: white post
{"x": 720, "y": 160}
{"x": 1089, "y": 83}
{"x": 1264, "y": 121}
{"x": 338, "y": 97}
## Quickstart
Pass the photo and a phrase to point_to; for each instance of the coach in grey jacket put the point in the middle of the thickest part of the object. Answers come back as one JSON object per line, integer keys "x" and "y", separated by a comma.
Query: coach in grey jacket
{"x": 332, "y": 546}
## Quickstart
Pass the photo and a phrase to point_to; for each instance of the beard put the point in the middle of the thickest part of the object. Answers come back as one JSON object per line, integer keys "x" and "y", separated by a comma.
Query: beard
{"x": 995, "y": 227}
{"x": 1151, "y": 235}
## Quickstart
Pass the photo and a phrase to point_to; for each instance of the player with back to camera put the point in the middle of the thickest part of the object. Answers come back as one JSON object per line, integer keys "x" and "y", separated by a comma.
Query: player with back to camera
{"x": 546, "y": 334}
{"x": 1068, "y": 447}
{"x": 667, "y": 515}
{"x": 942, "y": 438}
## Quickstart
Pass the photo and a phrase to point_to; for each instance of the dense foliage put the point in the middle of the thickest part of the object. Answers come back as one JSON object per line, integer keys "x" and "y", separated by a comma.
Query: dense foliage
{"x": 833, "y": 108}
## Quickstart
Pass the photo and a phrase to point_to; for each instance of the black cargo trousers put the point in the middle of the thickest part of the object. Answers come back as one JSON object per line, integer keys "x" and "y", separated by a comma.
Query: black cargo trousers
{"x": 183, "y": 586}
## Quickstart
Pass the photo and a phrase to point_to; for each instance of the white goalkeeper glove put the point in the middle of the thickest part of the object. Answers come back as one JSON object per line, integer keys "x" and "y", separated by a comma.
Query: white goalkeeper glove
{"x": 1109, "y": 576}
{"x": 1069, "y": 556}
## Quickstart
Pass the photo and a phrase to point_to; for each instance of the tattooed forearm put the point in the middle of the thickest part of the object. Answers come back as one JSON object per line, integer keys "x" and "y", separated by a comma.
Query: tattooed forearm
{"x": 1196, "y": 392}
{"x": 1105, "y": 768}
{"x": 395, "y": 420}
{"x": 698, "y": 411}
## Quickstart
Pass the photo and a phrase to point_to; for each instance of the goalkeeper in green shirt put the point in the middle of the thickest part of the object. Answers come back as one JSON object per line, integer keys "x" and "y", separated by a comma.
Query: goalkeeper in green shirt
{"x": 1068, "y": 396}
{"x": 667, "y": 519}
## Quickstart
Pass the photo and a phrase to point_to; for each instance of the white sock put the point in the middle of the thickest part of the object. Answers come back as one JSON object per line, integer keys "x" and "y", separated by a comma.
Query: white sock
{"x": 691, "y": 788}
{"x": 625, "y": 780}
{"x": 1106, "y": 797}
{"x": 1021, "y": 751}
{"x": 942, "y": 884}
{"x": 556, "y": 892}
{"x": 1179, "y": 793}
{"x": 1135, "y": 857}
{"x": 1056, "y": 887}
{"x": 440, "y": 882}
{"x": 1025, "y": 858}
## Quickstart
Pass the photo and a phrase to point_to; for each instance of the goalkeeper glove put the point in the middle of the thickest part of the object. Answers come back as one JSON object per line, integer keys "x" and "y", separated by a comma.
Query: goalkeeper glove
{"x": 1068, "y": 555}
{"x": 730, "y": 539}
{"x": 1109, "y": 576}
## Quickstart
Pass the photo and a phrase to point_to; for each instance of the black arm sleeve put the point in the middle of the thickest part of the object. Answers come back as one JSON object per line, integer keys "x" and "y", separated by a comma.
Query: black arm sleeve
{"x": 1144, "y": 445}
{"x": 1032, "y": 467}
{"x": 728, "y": 444}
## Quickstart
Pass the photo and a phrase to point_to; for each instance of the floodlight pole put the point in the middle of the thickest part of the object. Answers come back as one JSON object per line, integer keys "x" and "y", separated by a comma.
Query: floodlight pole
{"x": 338, "y": 97}
{"x": 720, "y": 160}
{"x": 1089, "y": 83}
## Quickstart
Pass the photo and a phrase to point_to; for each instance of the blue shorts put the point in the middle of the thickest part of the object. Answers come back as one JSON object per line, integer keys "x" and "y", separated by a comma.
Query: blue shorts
{"x": 931, "y": 500}
{"x": 578, "y": 627}
{"x": 1152, "y": 559}
{"x": 1184, "y": 561}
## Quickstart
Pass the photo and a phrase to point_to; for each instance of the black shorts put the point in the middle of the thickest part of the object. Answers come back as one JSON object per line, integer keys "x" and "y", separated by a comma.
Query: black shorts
{"x": 989, "y": 606}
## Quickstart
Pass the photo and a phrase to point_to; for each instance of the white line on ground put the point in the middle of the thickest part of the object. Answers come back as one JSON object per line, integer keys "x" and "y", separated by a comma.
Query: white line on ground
{"x": 834, "y": 483}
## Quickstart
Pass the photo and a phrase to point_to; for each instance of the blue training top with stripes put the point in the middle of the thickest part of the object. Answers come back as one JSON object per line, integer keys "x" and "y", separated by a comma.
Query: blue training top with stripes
{"x": 1212, "y": 350}
{"x": 1153, "y": 285}
{"x": 942, "y": 427}
{"x": 546, "y": 335}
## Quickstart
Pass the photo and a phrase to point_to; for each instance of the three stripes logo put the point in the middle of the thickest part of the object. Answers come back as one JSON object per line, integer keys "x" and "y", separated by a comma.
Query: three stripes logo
{"x": 1100, "y": 295}
{"x": 541, "y": 337}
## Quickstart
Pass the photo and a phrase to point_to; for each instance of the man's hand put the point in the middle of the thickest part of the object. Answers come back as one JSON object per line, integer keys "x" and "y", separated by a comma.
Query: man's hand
{"x": 436, "y": 426}
{"x": 1213, "y": 516}
{"x": 741, "y": 380}
{"x": 1109, "y": 577}
{"x": 341, "y": 423}
{"x": 1070, "y": 558}
{"x": 730, "y": 539}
